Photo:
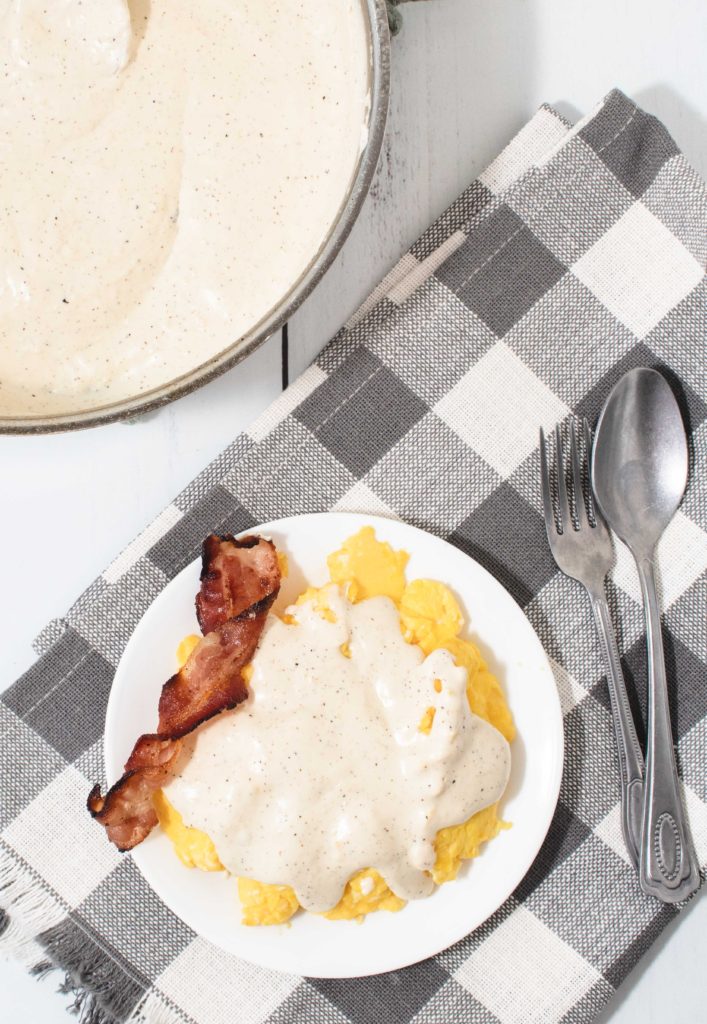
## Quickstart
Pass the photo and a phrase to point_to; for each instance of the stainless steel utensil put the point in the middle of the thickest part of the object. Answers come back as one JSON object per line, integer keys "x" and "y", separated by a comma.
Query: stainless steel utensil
{"x": 639, "y": 473}
{"x": 583, "y": 551}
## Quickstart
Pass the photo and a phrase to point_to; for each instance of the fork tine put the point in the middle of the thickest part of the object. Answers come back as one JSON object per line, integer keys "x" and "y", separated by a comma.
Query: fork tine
{"x": 593, "y": 508}
{"x": 545, "y": 481}
{"x": 565, "y": 513}
{"x": 580, "y": 509}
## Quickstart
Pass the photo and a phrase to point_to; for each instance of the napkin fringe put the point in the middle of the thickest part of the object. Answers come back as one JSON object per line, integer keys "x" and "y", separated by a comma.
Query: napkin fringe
{"x": 102, "y": 990}
{"x": 27, "y": 912}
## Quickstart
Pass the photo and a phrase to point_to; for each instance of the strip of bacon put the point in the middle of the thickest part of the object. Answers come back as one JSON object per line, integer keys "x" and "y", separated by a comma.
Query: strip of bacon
{"x": 234, "y": 577}
{"x": 240, "y": 579}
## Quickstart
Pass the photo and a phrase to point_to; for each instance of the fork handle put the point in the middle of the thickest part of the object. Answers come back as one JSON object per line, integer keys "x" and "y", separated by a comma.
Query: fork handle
{"x": 627, "y": 745}
{"x": 669, "y": 867}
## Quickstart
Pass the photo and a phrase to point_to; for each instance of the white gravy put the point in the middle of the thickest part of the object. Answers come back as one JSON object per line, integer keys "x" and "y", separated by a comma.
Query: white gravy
{"x": 168, "y": 170}
{"x": 324, "y": 771}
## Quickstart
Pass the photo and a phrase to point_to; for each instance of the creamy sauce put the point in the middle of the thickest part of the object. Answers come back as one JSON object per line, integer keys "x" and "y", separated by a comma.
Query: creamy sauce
{"x": 168, "y": 169}
{"x": 324, "y": 770}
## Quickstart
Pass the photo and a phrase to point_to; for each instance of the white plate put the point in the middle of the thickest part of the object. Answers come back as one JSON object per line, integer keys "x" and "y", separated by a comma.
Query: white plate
{"x": 311, "y": 945}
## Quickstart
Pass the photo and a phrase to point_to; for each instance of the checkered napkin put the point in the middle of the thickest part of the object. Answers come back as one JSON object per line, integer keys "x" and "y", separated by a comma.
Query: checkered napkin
{"x": 579, "y": 253}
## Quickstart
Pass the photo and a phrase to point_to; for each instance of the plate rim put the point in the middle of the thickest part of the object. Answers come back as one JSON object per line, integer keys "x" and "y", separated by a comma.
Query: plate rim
{"x": 360, "y": 519}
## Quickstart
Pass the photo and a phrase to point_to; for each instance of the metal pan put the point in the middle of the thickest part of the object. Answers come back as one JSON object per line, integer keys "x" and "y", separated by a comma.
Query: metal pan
{"x": 376, "y": 15}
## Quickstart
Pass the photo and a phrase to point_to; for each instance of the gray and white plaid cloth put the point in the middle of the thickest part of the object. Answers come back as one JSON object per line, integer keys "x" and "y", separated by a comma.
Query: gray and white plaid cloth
{"x": 579, "y": 253}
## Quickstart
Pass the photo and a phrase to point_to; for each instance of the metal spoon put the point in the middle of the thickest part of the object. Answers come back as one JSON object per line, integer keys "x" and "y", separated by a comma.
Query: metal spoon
{"x": 639, "y": 473}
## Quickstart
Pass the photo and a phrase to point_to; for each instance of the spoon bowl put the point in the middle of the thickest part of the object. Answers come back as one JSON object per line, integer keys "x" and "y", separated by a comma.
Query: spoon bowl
{"x": 639, "y": 461}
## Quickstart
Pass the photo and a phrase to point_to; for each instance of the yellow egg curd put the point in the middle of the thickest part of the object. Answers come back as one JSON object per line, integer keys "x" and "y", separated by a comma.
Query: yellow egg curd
{"x": 430, "y": 617}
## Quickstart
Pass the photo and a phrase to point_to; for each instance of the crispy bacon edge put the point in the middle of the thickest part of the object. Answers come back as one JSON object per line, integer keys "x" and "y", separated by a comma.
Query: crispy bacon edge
{"x": 235, "y": 575}
{"x": 240, "y": 579}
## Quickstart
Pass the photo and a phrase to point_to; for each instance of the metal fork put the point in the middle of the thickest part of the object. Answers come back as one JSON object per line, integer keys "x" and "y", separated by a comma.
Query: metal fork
{"x": 583, "y": 551}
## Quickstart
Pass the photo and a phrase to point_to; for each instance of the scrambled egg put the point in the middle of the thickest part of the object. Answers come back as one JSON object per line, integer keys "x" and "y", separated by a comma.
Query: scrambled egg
{"x": 193, "y": 847}
{"x": 430, "y": 617}
{"x": 368, "y": 567}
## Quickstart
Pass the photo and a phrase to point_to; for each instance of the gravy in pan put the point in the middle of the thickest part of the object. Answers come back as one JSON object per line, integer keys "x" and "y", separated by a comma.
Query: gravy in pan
{"x": 168, "y": 169}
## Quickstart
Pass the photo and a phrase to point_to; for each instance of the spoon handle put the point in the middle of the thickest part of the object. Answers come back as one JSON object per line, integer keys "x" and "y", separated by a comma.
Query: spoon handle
{"x": 669, "y": 868}
{"x": 628, "y": 748}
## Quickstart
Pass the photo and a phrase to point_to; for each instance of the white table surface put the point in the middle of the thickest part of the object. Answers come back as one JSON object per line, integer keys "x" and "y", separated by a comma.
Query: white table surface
{"x": 466, "y": 75}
